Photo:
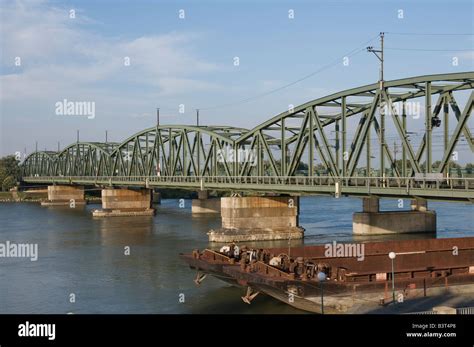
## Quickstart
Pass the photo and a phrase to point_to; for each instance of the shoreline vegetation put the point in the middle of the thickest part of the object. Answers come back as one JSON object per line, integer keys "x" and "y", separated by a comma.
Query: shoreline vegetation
{"x": 94, "y": 198}
{"x": 25, "y": 197}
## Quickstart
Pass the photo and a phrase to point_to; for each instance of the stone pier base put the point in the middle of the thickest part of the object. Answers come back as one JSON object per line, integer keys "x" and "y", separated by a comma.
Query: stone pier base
{"x": 36, "y": 193}
{"x": 70, "y": 196}
{"x": 374, "y": 222}
{"x": 205, "y": 205}
{"x": 125, "y": 202}
{"x": 258, "y": 218}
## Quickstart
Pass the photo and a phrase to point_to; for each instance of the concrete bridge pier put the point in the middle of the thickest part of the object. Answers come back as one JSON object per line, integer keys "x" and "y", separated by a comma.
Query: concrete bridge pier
{"x": 258, "y": 218}
{"x": 70, "y": 196}
{"x": 125, "y": 202}
{"x": 372, "y": 221}
{"x": 204, "y": 204}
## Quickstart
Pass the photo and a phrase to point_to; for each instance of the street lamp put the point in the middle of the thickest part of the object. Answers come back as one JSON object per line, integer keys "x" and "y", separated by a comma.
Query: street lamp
{"x": 322, "y": 278}
{"x": 392, "y": 255}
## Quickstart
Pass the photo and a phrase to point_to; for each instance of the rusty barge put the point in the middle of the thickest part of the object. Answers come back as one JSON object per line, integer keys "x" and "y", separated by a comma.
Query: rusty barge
{"x": 349, "y": 284}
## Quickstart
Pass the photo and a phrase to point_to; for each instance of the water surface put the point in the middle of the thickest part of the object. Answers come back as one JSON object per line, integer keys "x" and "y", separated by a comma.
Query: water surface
{"x": 85, "y": 256}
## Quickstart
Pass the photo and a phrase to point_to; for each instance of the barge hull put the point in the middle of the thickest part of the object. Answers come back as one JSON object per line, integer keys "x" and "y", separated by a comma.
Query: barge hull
{"x": 424, "y": 270}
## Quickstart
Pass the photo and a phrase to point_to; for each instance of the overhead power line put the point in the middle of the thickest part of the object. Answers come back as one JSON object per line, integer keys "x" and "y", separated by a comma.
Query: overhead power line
{"x": 323, "y": 68}
{"x": 334, "y": 62}
{"x": 428, "y": 49}
{"x": 429, "y": 34}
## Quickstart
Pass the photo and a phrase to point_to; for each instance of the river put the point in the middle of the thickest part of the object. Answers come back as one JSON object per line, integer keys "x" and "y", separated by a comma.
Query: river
{"x": 83, "y": 267}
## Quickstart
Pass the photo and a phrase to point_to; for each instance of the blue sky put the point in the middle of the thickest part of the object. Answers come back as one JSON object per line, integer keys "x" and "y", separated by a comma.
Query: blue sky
{"x": 191, "y": 61}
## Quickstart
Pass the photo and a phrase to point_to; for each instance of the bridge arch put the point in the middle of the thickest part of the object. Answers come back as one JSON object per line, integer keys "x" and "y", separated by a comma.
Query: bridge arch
{"x": 305, "y": 129}
{"x": 319, "y": 130}
{"x": 85, "y": 159}
{"x": 40, "y": 163}
{"x": 177, "y": 150}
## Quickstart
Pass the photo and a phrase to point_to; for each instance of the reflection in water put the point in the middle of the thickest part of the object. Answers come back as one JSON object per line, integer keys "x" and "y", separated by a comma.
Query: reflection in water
{"x": 125, "y": 230}
{"x": 86, "y": 256}
{"x": 66, "y": 208}
{"x": 374, "y": 238}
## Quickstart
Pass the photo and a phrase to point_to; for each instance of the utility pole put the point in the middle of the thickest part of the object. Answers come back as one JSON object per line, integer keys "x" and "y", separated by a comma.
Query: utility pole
{"x": 158, "y": 166}
{"x": 392, "y": 256}
{"x": 198, "y": 134}
{"x": 336, "y": 145}
{"x": 106, "y": 137}
{"x": 77, "y": 136}
{"x": 380, "y": 56}
{"x": 395, "y": 151}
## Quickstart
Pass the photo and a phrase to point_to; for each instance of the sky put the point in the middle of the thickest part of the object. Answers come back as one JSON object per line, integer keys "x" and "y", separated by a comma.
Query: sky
{"x": 129, "y": 58}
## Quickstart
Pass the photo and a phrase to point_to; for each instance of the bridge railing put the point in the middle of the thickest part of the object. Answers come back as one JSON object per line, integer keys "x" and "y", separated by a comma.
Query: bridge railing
{"x": 319, "y": 181}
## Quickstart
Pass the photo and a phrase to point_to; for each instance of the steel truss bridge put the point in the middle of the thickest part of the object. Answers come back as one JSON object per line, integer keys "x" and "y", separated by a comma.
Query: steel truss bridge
{"x": 269, "y": 157}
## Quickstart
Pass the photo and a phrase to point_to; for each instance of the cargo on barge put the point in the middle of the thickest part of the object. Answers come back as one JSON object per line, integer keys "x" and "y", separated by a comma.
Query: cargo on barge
{"x": 349, "y": 281}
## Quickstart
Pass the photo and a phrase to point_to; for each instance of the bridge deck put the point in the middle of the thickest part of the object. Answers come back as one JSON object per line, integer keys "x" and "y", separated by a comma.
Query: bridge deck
{"x": 453, "y": 189}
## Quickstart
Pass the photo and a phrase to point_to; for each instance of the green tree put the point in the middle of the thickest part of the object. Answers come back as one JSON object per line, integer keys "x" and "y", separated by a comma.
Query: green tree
{"x": 399, "y": 164}
{"x": 302, "y": 166}
{"x": 451, "y": 164}
{"x": 9, "y": 172}
{"x": 435, "y": 165}
{"x": 8, "y": 183}
{"x": 320, "y": 169}
{"x": 469, "y": 168}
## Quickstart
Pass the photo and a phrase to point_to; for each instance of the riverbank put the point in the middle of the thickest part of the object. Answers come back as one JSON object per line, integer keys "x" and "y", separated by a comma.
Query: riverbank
{"x": 8, "y": 197}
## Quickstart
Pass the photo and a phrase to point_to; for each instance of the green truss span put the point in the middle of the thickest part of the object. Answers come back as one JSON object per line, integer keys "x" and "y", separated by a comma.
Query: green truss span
{"x": 310, "y": 148}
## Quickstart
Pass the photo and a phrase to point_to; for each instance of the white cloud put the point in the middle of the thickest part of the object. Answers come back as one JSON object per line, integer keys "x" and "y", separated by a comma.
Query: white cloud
{"x": 65, "y": 58}
{"x": 60, "y": 58}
